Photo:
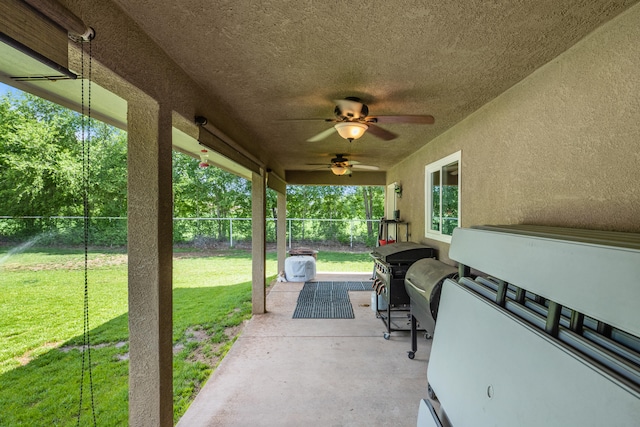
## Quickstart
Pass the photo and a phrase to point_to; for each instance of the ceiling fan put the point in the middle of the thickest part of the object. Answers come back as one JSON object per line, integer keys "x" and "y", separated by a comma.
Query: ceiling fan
{"x": 353, "y": 120}
{"x": 340, "y": 165}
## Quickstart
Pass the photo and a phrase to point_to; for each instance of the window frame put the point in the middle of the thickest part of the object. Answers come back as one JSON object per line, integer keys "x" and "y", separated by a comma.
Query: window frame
{"x": 437, "y": 166}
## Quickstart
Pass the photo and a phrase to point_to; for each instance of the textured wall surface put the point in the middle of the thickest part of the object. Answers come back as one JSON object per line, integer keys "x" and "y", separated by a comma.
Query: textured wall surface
{"x": 561, "y": 148}
{"x": 150, "y": 253}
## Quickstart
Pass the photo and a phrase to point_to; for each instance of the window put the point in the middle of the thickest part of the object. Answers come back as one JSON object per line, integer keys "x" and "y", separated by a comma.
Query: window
{"x": 442, "y": 195}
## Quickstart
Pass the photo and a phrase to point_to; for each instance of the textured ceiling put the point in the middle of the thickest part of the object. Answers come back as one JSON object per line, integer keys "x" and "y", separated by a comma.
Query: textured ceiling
{"x": 266, "y": 62}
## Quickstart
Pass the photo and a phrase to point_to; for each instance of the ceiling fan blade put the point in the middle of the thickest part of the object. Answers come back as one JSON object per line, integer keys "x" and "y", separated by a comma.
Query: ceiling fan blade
{"x": 313, "y": 119}
{"x": 365, "y": 167}
{"x": 322, "y": 135}
{"x": 419, "y": 120}
{"x": 381, "y": 133}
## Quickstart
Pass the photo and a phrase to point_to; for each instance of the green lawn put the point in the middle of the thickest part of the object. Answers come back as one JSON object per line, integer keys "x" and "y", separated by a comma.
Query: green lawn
{"x": 41, "y": 317}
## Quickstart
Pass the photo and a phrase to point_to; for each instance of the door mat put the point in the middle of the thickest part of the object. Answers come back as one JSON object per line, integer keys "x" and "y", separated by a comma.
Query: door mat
{"x": 327, "y": 300}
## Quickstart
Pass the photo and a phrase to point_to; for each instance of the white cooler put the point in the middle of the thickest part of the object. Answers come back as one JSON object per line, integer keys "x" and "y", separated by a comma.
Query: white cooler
{"x": 300, "y": 268}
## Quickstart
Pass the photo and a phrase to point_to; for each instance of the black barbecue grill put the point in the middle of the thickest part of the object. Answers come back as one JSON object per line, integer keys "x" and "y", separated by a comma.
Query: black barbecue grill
{"x": 423, "y": 283}
{"x": 391, "y": 264}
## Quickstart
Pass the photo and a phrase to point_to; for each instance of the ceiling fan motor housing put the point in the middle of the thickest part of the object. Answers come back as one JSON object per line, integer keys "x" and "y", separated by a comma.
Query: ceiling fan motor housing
{"x": 351, "y": 109}
{"x": 339, "y": 159}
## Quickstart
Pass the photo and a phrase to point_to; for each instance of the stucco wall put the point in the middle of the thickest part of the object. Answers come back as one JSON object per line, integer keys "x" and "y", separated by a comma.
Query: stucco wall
{"x": 562, "y": 147}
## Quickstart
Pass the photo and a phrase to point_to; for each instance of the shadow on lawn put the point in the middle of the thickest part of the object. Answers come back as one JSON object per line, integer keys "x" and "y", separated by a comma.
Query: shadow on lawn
{"x": 46, "y": 391}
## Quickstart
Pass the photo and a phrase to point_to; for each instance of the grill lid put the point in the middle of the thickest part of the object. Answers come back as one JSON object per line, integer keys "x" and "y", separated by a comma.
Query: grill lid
{"x": 403, "y": 252}
{"x": 426, "y": 274}
{"x": 426, "y": 277}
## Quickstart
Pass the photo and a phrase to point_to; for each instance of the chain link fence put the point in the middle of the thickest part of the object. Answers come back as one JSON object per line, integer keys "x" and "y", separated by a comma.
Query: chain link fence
{"x": 198, "y": 232}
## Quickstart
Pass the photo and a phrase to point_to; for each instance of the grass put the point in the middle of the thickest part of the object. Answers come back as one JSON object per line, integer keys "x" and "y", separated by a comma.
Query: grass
{"x": 41, "y": 302}
{"x": 343, "y": 262}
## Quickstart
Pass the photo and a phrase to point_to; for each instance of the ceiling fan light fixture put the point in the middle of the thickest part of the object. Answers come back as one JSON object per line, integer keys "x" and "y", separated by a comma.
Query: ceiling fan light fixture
{"x": 339, "y": 169}
{"x": 351, "y": 130}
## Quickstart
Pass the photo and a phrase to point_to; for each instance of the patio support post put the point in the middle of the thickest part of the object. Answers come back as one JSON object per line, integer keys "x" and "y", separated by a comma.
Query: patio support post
{"x": 281, "y": 238}
{"x": 258, "y": 241}
{"x": 150, "y": 264}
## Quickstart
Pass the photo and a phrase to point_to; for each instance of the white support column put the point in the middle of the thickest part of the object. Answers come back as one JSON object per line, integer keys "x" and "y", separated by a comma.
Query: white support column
{"x": 281, "y": 238}
{"x": 258, "y": 242}
{"x": 150, "y": 228}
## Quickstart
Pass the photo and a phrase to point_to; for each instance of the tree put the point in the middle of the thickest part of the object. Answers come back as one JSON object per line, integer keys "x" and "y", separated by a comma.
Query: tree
{"x": 39, "y": 155}
{"x": 367, "y": 198}
{"x": 208, "y": 192}
{"x": 41, "y": 174}
{"x": 108, "y": 181}
{"x": 333, "y": 202}
{"x": 41, "y": 166}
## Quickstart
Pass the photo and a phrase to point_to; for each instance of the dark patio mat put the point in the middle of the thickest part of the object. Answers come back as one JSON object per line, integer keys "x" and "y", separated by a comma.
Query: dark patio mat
{"x": 327, "y": 300}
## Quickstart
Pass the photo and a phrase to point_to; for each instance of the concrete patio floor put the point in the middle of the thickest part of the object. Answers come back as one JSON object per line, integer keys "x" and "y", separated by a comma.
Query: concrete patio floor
{"x": 314, "y": 372}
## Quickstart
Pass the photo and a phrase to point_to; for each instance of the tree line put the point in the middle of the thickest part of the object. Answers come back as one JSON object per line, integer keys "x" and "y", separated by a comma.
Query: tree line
{"x": 41, "y": 176}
